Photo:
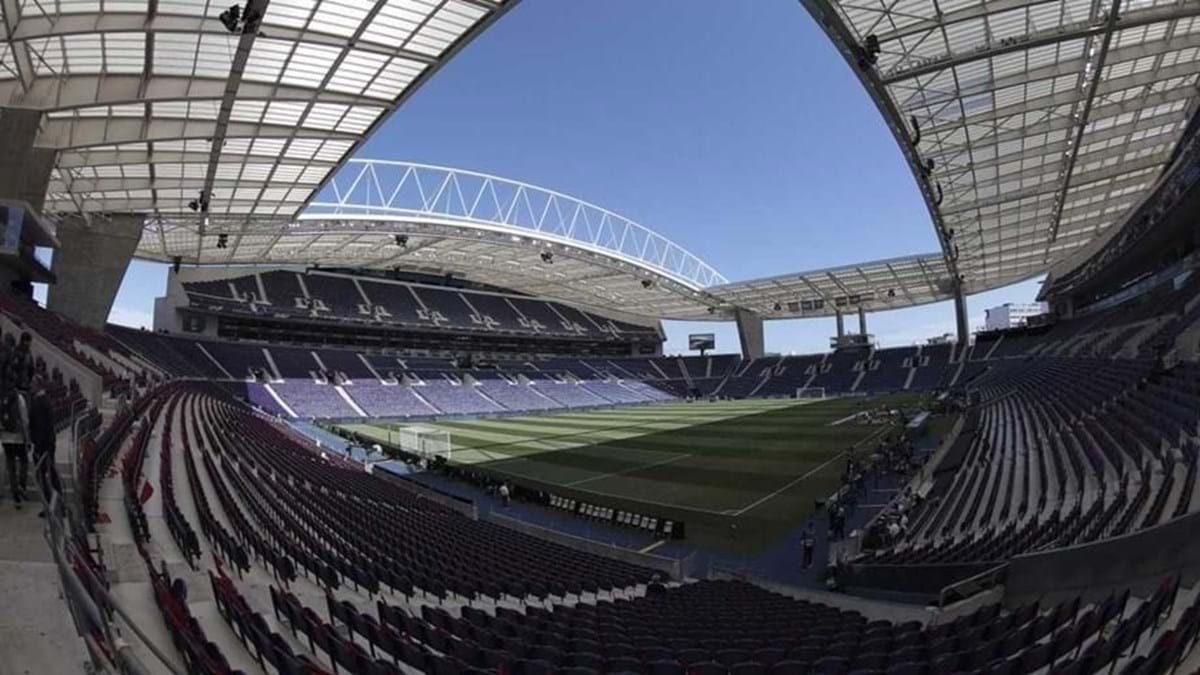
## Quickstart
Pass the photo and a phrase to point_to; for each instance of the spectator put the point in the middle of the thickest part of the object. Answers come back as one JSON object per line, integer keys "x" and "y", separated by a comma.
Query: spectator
{"x": 839, "y": 523}
{"x": 893, "y": 530}
{"x": 808, "y": 543}
{"x": 14, "y": 435}
{"x": 18, "y": 367}
{"x": 655, "y": 588}
{"x": 505, "y": 496}
{"x": 41, "y": 425}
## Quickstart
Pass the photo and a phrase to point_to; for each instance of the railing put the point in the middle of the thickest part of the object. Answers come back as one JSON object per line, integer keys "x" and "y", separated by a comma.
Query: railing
{"x": 93, "y": 609}
{"x": 676, "y": 568}
{"x": 971, "y": 586}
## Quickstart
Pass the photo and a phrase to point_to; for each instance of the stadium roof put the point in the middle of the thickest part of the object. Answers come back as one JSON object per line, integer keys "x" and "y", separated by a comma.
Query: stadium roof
{"x": 1030, "y": 125}
{"x": 436, "y": 220}
{"x": 876, "y": 285}
{"x": 153, "y": 104}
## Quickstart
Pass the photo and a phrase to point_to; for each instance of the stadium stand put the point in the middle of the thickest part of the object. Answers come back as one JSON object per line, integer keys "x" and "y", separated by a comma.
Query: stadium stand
{"x": 193, "y": 506}
{"x": 321, "y": 295}
{"x": 326, "y": 539}
{"x": 888, "y": 370}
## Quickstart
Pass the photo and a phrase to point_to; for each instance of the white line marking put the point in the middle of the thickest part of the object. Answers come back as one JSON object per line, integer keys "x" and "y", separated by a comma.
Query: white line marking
{"x": 668, "y": 460}
{"x": 653, "y": 546}
{"x": 831, "y": 460}
{"x": 845, "y": 419}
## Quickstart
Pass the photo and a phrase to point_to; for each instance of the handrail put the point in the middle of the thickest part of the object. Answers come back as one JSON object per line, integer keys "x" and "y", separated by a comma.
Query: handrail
{"x": 973, "y": 585}
{"x": 90, "y": 604}
{"x": 677, "y": 568}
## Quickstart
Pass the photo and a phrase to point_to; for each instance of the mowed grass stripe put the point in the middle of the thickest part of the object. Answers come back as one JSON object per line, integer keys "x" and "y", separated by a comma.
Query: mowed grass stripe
{"x": 729, "y": 463}
{"x": 712, "y": 458}
{"x": 519, "y": 433}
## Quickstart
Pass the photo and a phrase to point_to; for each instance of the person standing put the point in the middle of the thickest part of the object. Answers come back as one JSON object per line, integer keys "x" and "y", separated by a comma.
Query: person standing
{"x": 808, "y": 544}
{"x": 14, "y": 436}
{"x": 505, "y": 496}
{"x": 42, "y": 427}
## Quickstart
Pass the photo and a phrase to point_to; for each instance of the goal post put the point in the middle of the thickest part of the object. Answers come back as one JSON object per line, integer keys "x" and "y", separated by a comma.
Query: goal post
{"x": 425, "y": 441}
{"x": 810, "y": 392}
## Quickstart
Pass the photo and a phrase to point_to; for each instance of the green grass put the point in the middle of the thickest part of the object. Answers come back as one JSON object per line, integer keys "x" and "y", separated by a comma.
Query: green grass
{"x": 759, "y": 464}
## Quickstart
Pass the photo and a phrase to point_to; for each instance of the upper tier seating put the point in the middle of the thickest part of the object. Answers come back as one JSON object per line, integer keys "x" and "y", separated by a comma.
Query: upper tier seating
{"x": 178, "y": 357}
{"x": 889, "y": 370}
{"x": 334, "y": 296}
{"x": 791, "y": 373}
{"x": 934, "y": 368}
{"x": 294, "y": 362}
{"x": 840, "y": 371}
{"x": 343, "y": 361}
{"x": 240, "y": 361}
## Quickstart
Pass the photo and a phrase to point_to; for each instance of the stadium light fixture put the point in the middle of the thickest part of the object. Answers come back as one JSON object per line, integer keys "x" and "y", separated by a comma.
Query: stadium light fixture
{"x": 231, "y": 18}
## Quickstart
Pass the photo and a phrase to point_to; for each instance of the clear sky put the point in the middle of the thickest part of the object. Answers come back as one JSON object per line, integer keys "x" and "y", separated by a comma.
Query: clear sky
{"x": 734, "y": 128}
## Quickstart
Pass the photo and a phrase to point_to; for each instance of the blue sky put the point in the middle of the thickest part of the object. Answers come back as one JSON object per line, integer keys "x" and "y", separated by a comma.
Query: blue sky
{"x": 733, "y": 128}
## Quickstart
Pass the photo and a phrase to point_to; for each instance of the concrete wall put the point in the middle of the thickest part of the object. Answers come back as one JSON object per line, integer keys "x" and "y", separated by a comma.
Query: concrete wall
{"x": 750, "y": 334}
{"x": 90, "y": 265}
{"x": 24, "y": 169}
{"x": 1137, "y": 561}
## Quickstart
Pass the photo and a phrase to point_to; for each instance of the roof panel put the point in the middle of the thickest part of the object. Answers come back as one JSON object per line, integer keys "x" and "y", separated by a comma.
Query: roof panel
{"x": 1045, "y": 120}
{"x": 294, "y": 98}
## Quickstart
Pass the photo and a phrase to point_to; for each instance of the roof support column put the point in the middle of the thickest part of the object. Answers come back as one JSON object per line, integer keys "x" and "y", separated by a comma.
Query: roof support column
{"x": 841, "y": 325}
{"x": 862, "y": 320}
{"x": 750, "y": 334}
{"x": 960, "y": 316}
{"x": 24, "y": 169}
{"x": 90, "y": 263}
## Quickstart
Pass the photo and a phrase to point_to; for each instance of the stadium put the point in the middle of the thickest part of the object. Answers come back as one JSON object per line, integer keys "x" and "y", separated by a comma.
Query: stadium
{"x": 399, "y": 417}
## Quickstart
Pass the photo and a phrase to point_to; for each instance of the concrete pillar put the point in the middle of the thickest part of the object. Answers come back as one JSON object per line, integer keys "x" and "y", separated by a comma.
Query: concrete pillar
{"x": 960, "y": 316}
{"x": 24, "y": 169}
{"x": 750, "y": 334}
{"x": 841, "y": 325}
{"x": 862, "y": 320}
{"x": 90, "y": 264}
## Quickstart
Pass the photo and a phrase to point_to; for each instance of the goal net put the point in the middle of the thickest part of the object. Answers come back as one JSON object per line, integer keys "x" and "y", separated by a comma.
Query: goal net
{"x": 810, "y": 392}
{"x": 425, "y": 441}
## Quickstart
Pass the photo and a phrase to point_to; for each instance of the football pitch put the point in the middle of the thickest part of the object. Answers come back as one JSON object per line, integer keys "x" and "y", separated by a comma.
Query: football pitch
{"x": 755, "y": 465}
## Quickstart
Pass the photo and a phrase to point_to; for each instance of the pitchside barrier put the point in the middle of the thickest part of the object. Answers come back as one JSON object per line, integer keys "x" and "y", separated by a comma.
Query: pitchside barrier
{"x": 464, "y": 506}
{"x": 676, "y": 568}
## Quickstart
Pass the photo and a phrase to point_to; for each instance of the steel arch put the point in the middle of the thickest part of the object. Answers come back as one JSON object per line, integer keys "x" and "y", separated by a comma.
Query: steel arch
{"x": 377, "y": 189}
